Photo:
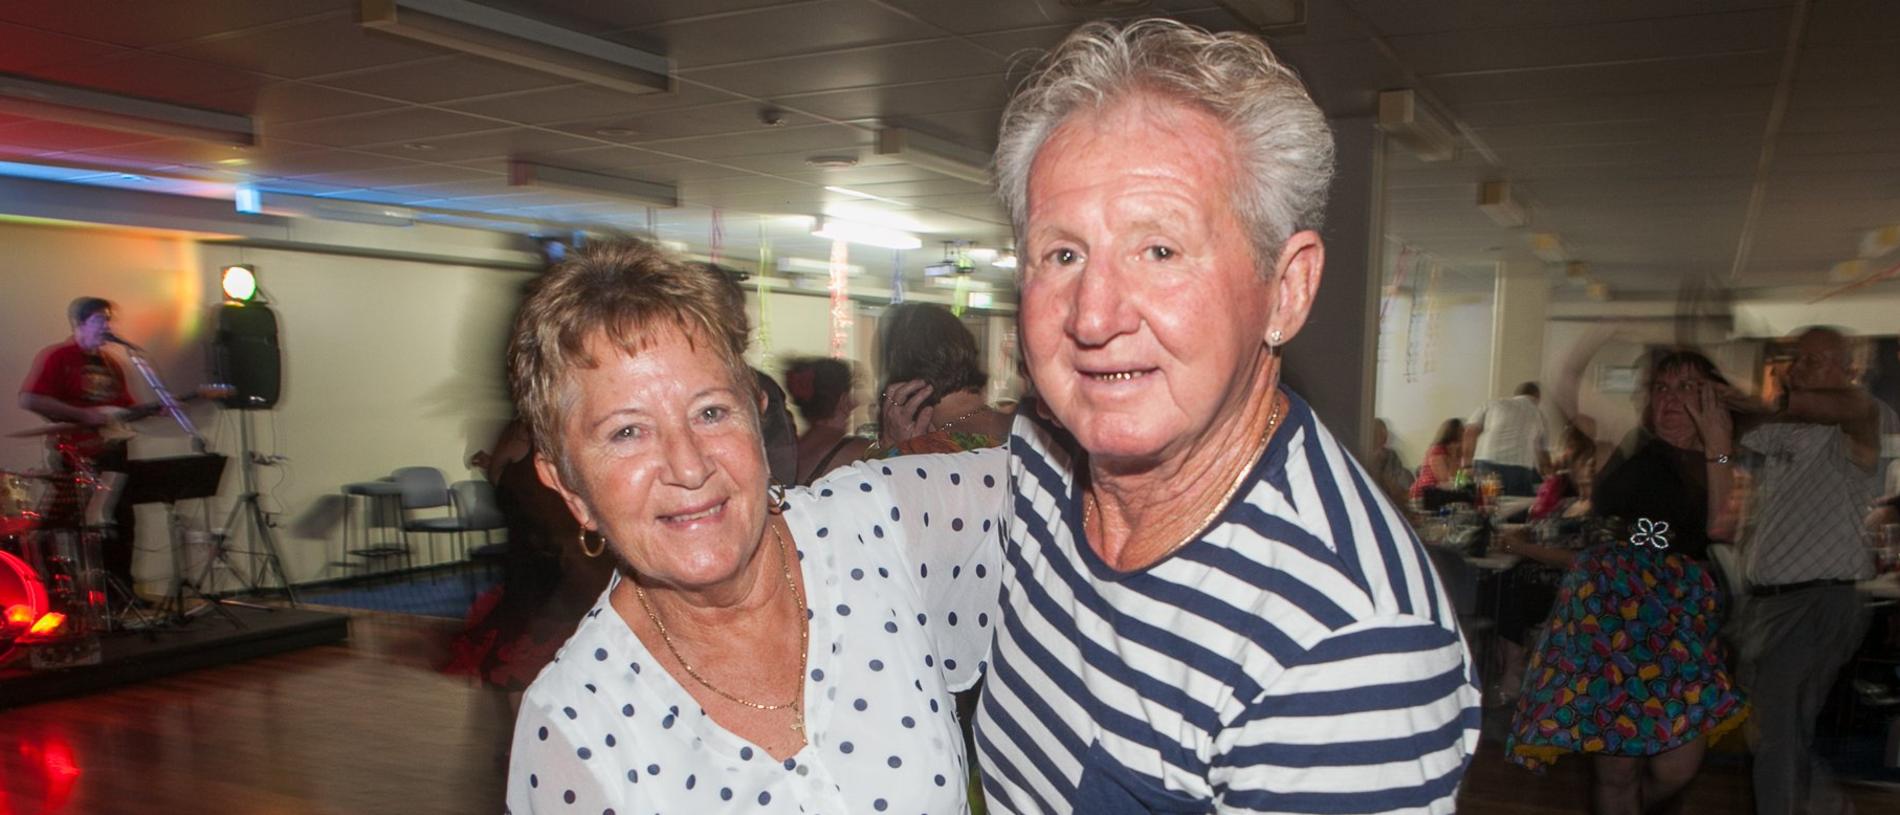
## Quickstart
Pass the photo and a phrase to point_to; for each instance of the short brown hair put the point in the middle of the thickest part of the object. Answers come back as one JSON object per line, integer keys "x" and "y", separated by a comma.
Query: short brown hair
{"x": 624, "y": 290}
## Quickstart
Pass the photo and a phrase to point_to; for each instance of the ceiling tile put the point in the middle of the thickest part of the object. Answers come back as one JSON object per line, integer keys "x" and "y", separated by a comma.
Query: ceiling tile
{"x": 585, "y": 102}
{"x": 30, "y": 50}
{"x": 1475, "y": 50}
{"x": 597, "y": 16}
{"x": 401, "y": 176}
{"x": 444, "y": 79}
{"x": 802, "y": 141}
{"x": 851, "y": 69}
{"x": 494, "y": 143}
{"x": 324, "y": 45}
{"x": 903, "y": 99}
{"x": 1401, "y": 17}
{"x": 165, "y": 78}
{"x": 1694, "y": 74}
{"x": 147, "y": 24}
{"x": 818, "y": 28}
{"x": 399, "y": 125}
{"x": 731, "y": 118}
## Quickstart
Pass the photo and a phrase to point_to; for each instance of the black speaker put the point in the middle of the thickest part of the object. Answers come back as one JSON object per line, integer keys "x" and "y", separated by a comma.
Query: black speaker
{"x": 245, "y": 356}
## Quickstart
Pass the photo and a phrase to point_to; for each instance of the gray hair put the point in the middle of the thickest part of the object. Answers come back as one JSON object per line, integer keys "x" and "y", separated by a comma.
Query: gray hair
{"x": 1282, "y": 143}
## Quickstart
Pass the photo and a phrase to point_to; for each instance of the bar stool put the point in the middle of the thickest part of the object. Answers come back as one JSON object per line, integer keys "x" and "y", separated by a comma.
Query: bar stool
{"x": 384, "y": 499}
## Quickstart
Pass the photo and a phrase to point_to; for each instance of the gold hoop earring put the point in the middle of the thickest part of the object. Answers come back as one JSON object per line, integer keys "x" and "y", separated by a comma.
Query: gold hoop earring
{"x": 594, "y": 552}
{"x": 775, "y": 497}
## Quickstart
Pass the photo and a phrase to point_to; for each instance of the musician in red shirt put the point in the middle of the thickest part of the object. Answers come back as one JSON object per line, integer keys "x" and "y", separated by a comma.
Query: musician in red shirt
{"x": 75, "y": 383}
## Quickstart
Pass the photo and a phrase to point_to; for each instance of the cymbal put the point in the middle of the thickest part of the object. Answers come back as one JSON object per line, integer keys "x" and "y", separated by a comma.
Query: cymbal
{"x": 49, "y": 430}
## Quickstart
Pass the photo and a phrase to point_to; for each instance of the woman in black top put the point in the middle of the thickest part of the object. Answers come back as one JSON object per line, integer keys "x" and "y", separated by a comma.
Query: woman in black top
{"x": 1628, "y": 668}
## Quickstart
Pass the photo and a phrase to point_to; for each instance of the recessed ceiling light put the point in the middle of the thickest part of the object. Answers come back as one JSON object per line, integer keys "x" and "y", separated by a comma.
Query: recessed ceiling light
{"x": 616, "y": 132}
{"x": 832, "y": 162}
{"x": 419, "y": 147}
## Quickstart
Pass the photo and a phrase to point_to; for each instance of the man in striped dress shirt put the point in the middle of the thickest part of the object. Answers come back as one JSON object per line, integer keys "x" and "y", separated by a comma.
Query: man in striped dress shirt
{"x": 1207, "y": 604}
{"x": 1821, "y": 465}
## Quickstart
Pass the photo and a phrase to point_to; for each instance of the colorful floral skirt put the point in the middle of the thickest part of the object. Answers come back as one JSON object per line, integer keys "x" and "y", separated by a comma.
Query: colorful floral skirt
{"x": 1628, "y": 663}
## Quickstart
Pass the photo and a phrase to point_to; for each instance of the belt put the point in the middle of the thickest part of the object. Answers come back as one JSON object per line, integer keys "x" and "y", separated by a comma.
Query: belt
{"x": 1789, "y": 588}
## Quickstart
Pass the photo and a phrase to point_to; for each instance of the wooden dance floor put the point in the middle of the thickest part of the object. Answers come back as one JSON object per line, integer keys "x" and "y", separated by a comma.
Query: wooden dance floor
{"x": 367, "y": 726}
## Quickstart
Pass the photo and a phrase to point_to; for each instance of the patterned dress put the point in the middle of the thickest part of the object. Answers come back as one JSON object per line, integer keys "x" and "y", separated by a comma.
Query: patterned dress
{"x": 1629, "y": 663}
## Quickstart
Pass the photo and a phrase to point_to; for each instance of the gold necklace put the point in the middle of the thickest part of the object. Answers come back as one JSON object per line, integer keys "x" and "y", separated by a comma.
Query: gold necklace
{"x": 1273, "y": 421}
{"x": 953, "y": 422}
{"x": 804, "y": 637}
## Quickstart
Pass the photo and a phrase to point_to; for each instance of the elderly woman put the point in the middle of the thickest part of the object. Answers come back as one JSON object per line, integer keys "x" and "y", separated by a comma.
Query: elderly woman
{"x": 1628, "y": 669}
{"x": 1207, "y": 604}
{"x": 933, "y": 385}
{"x": 790, "y": 652}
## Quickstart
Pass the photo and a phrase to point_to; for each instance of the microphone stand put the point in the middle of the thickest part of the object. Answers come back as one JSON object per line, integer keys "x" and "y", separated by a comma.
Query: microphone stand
{"x": 165, "y": 398}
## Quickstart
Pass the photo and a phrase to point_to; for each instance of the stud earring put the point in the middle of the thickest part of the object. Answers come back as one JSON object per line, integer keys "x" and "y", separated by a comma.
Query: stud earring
{"x": 1274, "y": 338}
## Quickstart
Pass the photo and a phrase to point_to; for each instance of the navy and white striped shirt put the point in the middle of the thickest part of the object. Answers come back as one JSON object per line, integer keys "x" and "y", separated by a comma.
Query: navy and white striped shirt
{"x": 1299, "y": 657}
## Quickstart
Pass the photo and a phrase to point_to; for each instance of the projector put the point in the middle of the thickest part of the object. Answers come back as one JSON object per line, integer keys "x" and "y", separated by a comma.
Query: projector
{"x": 950, "y": 267}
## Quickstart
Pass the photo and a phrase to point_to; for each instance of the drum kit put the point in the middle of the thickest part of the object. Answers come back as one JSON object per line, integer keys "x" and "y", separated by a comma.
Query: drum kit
{"x": 52, "y": 581}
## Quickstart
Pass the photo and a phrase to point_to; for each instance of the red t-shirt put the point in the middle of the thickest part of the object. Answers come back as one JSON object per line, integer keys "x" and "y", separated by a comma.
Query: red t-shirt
{"x": 69, "y": 374}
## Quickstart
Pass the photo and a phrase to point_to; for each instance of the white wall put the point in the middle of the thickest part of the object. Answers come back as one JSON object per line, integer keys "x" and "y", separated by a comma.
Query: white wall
{"x": 1622, "y": 342}
{"x": 1450, "y": 372}
{"x": 387, "y": 363}
{"x": 1864, "y": 313}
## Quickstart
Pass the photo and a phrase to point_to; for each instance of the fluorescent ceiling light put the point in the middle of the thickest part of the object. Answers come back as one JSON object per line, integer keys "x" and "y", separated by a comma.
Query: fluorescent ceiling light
{"x": 1880, "y": 241}
{"x": 1406, "y": 118}
{"x": 798, "y": 265}
{"x": 365, "y": 214}
{"x": 484, "y": 31}
{"x": 1494, "y": 197}
{"x": 981, "y": 254}
{"x": 529, "y": 174}
{"x": 1005, "y": 261}
{"x": 981, "y": 299}
{"x": 36, "y": 99}
{"x": 865, "y": 195}
{"x": 866, "y": 234}
{"x": 1549, "y": 247}
{"x": 934, "y": 154}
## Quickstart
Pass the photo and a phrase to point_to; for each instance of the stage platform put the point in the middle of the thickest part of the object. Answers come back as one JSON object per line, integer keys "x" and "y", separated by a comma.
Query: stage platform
{"x": 135, "y": 656}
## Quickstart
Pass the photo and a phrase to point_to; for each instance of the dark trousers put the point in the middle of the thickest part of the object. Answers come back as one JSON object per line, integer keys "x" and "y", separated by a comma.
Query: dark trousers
{"x": 1515, "y": 480}
{"x": 1792, "y": 647}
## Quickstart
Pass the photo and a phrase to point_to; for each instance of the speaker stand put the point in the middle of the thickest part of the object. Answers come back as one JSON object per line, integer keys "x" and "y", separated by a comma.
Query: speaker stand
{"x": 248, "y": 514}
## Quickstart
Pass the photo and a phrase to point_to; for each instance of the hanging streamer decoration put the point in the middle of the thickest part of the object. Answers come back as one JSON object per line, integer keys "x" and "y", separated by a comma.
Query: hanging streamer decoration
{"x": 764, "y": 283}
{"x": 653, "y": 225}
{"x": 840, "y": 299}
{"x": 716, "y": 237}
{"x": 961, "y": 299}
{"x": 897, "y": 276}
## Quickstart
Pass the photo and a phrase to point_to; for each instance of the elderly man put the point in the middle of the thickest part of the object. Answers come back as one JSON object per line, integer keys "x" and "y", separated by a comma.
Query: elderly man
{"x": 1821, "y": 466}
{"x": 1206, "y": 604}
{"x": 1505, "y": 438}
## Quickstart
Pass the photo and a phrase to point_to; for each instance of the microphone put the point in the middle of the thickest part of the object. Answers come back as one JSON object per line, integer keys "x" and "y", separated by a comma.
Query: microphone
{"x": 111, "y": 337}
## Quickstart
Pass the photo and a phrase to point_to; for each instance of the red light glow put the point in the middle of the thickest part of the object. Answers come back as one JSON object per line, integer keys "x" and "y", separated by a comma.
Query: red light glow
{"x": 47, "y": 624}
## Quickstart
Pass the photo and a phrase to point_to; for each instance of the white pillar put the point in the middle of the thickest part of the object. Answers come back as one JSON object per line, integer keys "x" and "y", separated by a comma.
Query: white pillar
{"x": 1520, "y": 307}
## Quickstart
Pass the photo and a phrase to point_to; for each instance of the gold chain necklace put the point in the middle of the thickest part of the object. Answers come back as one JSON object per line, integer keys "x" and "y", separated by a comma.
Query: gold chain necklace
{"x": 953, "y": 422}
{"x": 804, "y": 637}
{"x": 1273, "y": 421}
